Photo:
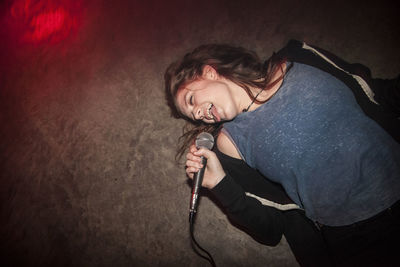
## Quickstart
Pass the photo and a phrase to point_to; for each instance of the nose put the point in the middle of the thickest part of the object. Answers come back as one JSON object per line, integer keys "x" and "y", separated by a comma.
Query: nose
{"x": 198, "y": 114}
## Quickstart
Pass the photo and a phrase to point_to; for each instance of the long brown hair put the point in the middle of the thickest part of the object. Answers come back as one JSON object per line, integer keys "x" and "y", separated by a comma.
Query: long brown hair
{"x": 237, "y": 64}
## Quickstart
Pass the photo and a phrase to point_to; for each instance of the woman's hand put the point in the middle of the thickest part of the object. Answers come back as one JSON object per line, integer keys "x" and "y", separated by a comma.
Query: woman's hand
{"x": 214, "y": 171}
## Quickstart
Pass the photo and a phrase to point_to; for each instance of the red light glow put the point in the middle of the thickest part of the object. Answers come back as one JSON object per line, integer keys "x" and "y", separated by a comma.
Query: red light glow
{"x": 45, "y": 24}
{"x": 43, "y": 20}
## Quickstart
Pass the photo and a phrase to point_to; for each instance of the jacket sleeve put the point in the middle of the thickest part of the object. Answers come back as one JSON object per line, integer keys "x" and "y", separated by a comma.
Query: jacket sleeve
{"x": 261, "y": 222}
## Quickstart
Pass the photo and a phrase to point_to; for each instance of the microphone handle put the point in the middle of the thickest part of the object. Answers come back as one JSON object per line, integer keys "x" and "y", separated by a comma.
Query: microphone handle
{"x": 197, "y": 181}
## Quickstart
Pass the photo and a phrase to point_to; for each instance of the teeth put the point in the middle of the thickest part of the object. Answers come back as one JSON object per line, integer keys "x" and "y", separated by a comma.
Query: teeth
{"x": 209, "y": 114}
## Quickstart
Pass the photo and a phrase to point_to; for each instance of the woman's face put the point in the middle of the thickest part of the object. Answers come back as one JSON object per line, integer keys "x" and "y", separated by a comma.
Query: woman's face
{"x": 209, "y": 98}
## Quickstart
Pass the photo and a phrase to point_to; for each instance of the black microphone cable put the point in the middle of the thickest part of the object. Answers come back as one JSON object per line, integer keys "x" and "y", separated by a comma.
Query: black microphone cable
{"x": 196, "y": 247}
{"x": 205, "y": 140}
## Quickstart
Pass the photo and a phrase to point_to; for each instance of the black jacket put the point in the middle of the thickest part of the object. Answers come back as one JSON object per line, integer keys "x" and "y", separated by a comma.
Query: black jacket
{"x": 261, "y": 207}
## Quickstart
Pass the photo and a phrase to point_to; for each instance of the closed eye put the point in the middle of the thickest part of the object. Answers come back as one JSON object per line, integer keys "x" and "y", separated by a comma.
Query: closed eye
{"x": 191, "y": 100}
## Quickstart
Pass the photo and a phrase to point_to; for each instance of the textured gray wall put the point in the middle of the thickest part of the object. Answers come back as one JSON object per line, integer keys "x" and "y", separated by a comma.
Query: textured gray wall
{"x": 88, "y": 176}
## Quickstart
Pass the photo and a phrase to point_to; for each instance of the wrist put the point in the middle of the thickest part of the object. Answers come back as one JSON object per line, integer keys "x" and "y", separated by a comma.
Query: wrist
{"x": 217, "y": 180}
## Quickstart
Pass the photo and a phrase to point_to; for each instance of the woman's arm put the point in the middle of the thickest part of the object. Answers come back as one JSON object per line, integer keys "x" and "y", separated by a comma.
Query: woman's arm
{"x": 263, "y": 223}
{"x": 225, "y": 145}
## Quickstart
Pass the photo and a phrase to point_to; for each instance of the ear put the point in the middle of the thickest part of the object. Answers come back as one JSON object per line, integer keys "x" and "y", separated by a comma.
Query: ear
{"x": 209, "y": 73}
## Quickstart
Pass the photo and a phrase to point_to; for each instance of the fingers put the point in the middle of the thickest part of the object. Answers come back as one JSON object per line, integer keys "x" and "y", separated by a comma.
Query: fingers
{"x": 189, "y": 173}
{"x": 192, "y": 157}
{"x": 193, "y": 163}
{"x": 193, "y": 160}
{"x": 192, "y": 148}
{"x": 192, "y": 167}
{"x": 214, "y": 172}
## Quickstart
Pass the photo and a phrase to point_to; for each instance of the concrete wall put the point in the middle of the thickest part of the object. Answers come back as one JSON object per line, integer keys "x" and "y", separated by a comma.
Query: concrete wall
{"x": 88, "y": 176}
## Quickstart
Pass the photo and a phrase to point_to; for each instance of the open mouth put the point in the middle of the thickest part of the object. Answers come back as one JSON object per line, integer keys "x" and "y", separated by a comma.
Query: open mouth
{"x": 208, "y": 112}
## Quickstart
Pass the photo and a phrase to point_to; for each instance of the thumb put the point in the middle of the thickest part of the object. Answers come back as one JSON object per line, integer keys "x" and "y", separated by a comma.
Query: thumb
{"x": 204, "y": 152}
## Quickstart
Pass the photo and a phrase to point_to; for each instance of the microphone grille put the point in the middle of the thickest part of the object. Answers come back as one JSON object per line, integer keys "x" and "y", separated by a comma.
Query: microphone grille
{"x": 205, "y": 140}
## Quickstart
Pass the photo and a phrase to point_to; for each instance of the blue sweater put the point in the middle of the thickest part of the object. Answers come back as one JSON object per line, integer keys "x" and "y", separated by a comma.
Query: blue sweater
{"x": 313, "y": 138}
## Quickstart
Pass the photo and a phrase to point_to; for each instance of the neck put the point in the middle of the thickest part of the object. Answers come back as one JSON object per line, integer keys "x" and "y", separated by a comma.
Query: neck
{"x": 265, "y": 95}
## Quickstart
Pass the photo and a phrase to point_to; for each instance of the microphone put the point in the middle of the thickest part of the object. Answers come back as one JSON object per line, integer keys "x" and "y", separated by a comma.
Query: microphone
{"x": 205, "y": 140}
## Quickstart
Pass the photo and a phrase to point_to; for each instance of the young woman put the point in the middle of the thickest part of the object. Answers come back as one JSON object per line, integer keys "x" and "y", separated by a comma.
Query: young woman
{"x": 305, "y": 121}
